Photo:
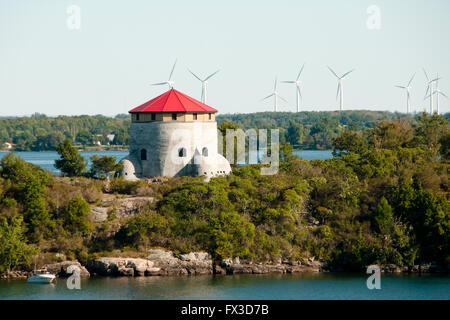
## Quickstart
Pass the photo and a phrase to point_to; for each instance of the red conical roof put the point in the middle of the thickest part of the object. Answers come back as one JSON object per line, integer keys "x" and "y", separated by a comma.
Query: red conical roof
{"x": 173, "y": 101}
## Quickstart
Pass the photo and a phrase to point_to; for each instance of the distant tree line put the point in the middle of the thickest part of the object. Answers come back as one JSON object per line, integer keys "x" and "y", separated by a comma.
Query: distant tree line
{"x": 42, "y": 133}
{"x": 311, "y": 130}
{"x": 303, "y": 130}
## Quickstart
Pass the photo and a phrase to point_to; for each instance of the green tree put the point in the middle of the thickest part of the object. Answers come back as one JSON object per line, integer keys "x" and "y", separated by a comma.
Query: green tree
{"x": 71, "y": 162}
{"x": 75, "y": 216}
{"x": 101, "y": 167}
{"x": 143, "y": 227}
{"x": 383, "y": 217}
{"x": 229, "y": 235}
{"x": 348, "y": 141}
{"x": 14, "y": 251}
{"x": 28, "y": 185}
{"x": 429, "y": 130}
{"x": 295, "y": 133}
{"x": 445, "y": 146}
{"x": 37, "y": 216}
{"x": 84, "y": 137}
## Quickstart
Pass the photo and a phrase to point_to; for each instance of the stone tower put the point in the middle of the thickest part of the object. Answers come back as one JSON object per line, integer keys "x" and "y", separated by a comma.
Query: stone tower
{"x": 173, "y": 135}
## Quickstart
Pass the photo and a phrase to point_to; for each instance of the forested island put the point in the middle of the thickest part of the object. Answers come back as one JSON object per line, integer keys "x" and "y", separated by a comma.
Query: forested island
{"x": 303, "y": 130}
{"x": 383, "y": 199}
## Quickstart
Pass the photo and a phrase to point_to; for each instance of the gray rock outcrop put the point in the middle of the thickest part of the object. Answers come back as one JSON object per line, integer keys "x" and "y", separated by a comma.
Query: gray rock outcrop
{"x": 99, "y": 214}
{"x": 163, "y": 263}
{"x": 60, "y": 268}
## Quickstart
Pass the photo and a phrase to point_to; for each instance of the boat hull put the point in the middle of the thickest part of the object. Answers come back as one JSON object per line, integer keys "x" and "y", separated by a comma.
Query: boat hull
{"x": 42, "y": 278}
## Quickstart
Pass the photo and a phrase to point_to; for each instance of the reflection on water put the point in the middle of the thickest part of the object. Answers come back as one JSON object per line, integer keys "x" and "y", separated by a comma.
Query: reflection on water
{"x": 295, "y": 286}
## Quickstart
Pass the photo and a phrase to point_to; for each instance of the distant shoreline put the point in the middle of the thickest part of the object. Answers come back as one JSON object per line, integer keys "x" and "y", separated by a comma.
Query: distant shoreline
{"x": 122, "y": 149}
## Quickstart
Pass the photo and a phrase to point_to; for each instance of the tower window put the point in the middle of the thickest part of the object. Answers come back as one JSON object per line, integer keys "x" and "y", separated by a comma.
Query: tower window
{"x": 195, "y": 116}
{"x": 209, "y": 116}
{"x": 143, "y": 154}
{"x": 174, "y": 116}
{"x": 153, "y": 116}
{"x": 205, "y": 152}
{"x": 182, "y": 152}
{"x": 137, "y": 116}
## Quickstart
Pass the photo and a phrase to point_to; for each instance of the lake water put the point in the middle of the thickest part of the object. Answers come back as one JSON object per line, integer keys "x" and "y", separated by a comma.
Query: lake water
{"x": 304, "y": 286}
{"x": 47, "y": 159}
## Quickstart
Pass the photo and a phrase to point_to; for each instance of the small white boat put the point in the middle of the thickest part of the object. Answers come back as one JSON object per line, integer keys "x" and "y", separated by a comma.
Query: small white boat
{"x": 41, "y": 277}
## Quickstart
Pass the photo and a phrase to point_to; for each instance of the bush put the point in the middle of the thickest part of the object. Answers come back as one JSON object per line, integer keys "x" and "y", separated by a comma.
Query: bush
{"x": 75, "y": 216}
{"x": 122, "y": 186}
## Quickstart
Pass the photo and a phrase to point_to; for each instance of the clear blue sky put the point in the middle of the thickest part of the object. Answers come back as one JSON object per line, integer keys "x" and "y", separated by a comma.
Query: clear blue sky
{"x": 107, "y": 66}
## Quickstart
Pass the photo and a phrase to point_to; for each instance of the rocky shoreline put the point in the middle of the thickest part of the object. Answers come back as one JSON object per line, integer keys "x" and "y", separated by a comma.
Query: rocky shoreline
{"x": 165, "y": 263}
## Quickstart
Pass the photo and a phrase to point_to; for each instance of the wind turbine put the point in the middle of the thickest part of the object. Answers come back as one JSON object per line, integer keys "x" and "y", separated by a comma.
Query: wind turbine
{"x": 169, "y": 81}
{"x": 430, "y": 89}
{"x": 438, "y": 92}
{"x": 276, "y": 95}
{"x": 340, "y": 89}
{"x": 204, "y": 84}
{"x": 297, "y": 85}
{"x": 408, "y": 94}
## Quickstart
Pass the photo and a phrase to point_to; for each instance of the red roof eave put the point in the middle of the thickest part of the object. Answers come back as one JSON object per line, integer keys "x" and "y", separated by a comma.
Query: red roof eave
{"x": 173, "y": 101}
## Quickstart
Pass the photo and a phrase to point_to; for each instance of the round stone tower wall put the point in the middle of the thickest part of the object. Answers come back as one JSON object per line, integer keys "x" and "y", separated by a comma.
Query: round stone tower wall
{"x": 155, "y": 147}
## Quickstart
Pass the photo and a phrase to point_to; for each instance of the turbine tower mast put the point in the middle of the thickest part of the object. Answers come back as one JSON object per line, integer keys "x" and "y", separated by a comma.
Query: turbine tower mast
{"x": 430, "y": 89}
{"x": 408, "y": 94}
{"x": 438, "y": 92}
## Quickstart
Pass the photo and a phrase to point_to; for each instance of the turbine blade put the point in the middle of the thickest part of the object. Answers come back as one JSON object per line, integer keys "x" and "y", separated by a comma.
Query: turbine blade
{"x": 333, "y": 72}
{"x": 409, "y": 83}
{"x": 173, "y": 68}
{"x": 281, "y": 97}
{"x": 338, "y": 90}
{"x": 299, "y": 91}
{"x": 159, "y": 83}
{"x": 211, "y": 75}
{"x": 195, "y": 75}
{"x": 401, "y": 87}
{"x": 301, "y": 70}
{"x": 426, "y": 75}
{"x": 267, "y": 96}
{"x": 443, "y": 94}
{"x": 346, "y": 74}
{"x": 275, "y": 87}
{"x": 288, "y": 81}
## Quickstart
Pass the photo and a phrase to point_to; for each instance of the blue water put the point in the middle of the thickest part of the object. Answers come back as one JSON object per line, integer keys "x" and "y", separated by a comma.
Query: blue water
{"x": 47, "y": 159}
{"x": 314, "y": 154}
{"x": 304, "y": 286}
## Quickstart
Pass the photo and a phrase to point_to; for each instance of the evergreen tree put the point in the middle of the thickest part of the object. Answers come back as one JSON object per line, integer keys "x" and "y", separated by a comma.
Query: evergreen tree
{"x": 71, "y": 162}
{"x": 101, "y": 167}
